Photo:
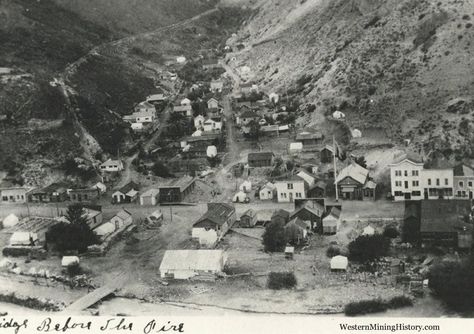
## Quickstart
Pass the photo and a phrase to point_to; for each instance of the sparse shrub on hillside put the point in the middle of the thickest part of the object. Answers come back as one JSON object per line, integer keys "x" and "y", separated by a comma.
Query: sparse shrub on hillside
{"x": 399, "y": 302}
{"x": 426, "y": 33}
{"x": 279, "y": 281}
{"x": 365, "y": 307}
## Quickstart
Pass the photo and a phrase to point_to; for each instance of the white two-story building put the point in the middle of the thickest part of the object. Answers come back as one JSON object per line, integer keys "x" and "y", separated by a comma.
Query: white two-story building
{"x": 411, "y": 181}
{"x": 289, "y": 190}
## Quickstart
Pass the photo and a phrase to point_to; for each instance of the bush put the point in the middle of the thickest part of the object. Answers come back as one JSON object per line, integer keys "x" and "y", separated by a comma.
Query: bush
{"x": 278, "y": 281}
{"x": 274, "y": 239}
{"x": 453, "y": 282}
{"x": 376, "y": 305}
{"x": 332, "y": 251}
{"x": 365, "y": 307}
{"x": 399, "y": 302}
{"x": 368, "y": 248}
{"x": 74, "y": 269}
{"x": 391, "y": 232}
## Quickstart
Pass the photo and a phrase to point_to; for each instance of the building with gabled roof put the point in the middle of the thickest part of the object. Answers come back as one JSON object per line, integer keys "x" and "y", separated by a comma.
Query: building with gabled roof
{"x": 248, "y": 218}
{"x": 290, "y": 189}
{"x": 311, "y": 211}
{"x": 332, "y": 221}
{"x": 111, "y": 166}
{"x": 192, "y": 264}
{"x": 267, "y": 191}
{"x": 214, "y": 224}
{"x": 309, "y": 138}
{"x": 353, "y": 183}
{"x": 127, "y": 194}
{"x": 260, "y": 159}
{"x": 280, "y": 216}
{"x": 177, "y": 190}
{"x": 463, "y": 181}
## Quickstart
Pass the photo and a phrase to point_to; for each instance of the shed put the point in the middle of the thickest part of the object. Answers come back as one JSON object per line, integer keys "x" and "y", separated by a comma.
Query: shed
{"x": 23, "y": 239}
{"x": 186, "y": 264}
{"x": 356, "y": 133}
{"x": 368, "y": 230}
{"x": 150, "y": 197}
{"x": 339, "y": 263}
{"x": 289, "y": 252}
{"x": 67, "y": 261}
{"x": 211, "y": 151}
{"x": 240, "y": 197}
{"x": 331, "y": 222}
{"x": 248, "y": 218}
{"x": 10, "y": 220}
{"x": 105, "y": 229}
{"x": 295, "y": 148}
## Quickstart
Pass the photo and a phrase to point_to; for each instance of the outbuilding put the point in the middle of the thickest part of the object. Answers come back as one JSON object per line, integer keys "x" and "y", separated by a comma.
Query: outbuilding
{"x": 188, "y": 264}
{"x": 24, "y": 239}
{"x": 339, "y": 263}
{"x": 150, "y": 197}
{"x": 248, "y": 218}
{"x": 67, "y": 261}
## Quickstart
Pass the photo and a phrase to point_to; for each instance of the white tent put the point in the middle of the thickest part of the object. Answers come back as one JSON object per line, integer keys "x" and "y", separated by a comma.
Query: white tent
{"x": 273, "y": 97}
{"x": 102, "y": 187}
{"x": 368, "y": 230}
{"x": 356, "y": 133}
{"x": 211, "y": 151}
{"x": 69, "y": 260}
{"x": 246, "y": 186}
{"x": 339, "y": 262}
{"x": 10, "y": 220}
{"x": 105, "y": 229}
{"x": 338, "y": 114}
{"x": 185, "y": 102}
{"x": 137, "y": 126}
{"x": 239, "y": 197}
{"x": 23, "y": 239}
{"x": 181, "y": 59}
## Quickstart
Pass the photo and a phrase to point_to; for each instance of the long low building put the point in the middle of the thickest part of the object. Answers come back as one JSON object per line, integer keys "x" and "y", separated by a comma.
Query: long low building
{"x": 187, "y": 264}
{"x": 177, "y": 190}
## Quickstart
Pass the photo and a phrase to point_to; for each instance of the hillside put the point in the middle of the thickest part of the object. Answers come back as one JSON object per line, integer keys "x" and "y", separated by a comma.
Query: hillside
{"x": 106, "y": 65}
{"x": 126, "y": 17}
{"x": 397, "y": 69}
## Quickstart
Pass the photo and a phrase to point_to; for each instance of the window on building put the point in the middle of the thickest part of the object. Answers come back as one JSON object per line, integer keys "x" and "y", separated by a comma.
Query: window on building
{"x": 406, "y": 184}
{"x": 416, "y": 193}
{"x": 415, "y": 183}
{"x": 469, "y": 183}
{"x": 5, "y": 198}
{"x": 437, "y": 182}
{"x": 461, "y": 184}
{"x": 398, "y": 173}
{"x": 406, "y": 173}
{"x": 398, "y": 193}
{"x": 446, "y": 182}
{"x": 290, "y": 185}
{"x": 429, "y": 182}
{"x": 414, "y": 173}
{"x": 459, "y": 193}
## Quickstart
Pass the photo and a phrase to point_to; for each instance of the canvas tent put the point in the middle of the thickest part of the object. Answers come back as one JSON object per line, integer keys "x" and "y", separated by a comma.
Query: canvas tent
{"x": 105, "y": 229}
{"x": 368, "y": 230}
{"x": 10, "y": 220}
{"x": 23, "y": 239}
{"x": 69, "y": 260}
{"x": 339, "y": 263}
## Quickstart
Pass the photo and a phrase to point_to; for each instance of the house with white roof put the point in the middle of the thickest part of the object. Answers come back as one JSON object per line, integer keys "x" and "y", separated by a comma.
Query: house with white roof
{"x": 112, "y": 166}
{"x": 192, "y": 263}
{"x": 267, "y": 192}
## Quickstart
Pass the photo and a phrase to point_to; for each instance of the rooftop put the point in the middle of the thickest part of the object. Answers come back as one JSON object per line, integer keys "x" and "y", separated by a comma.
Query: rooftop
{"x": 181, "y": 183}
{"x": 217, "y": 213}
{"x": 443, "y": 215}
{"x": 354, "y": 171}
{"x": 201, "y": 259}
{"x": 260, "y": 155}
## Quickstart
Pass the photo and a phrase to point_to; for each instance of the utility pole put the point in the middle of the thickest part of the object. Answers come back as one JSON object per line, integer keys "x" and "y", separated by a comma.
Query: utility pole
{"x": 335, "y": 166}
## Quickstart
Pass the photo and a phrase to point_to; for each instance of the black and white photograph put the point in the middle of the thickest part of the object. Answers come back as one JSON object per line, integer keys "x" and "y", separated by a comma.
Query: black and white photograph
{"x": 307, "y": 160}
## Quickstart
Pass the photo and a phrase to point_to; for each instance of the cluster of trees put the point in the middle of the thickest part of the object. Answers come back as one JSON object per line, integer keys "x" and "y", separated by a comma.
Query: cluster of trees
{"x": 368, "y": 248}
{"x": 453, "y": 283}
{"x": 274, "y": 238}
{"x": 74, "y": 235}
{"x": 177, "y": 126}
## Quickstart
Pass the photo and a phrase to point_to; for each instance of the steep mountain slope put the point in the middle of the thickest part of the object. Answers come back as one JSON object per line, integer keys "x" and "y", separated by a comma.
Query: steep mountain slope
{"x": 134, "y": 16}
{"x": 397, "y": 69}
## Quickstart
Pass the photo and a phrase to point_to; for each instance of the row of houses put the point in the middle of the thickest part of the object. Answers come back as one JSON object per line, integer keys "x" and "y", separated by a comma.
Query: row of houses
{"x": 54, "y": 192}
{"x": 310, "y": 215}
{"x": 172, "y": 192}
{"x": 410, "y": 180}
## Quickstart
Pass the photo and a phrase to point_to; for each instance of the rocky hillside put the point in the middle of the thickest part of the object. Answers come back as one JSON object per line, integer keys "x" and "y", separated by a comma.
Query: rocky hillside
{"x": 397, "y": 68}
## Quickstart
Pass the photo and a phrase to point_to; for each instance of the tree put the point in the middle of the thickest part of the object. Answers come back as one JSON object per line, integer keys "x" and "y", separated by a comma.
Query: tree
{"x": 453, "y": 282}
{"x": 254, "y": 131}
{"x": 74, "y": 235}
{"x": 159, "y": 169}
{"x": 391, "y": 232}
{"x": 368, "y": 248}
{"x": 274, "y": 239}
{"x": 361, "y": 161}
